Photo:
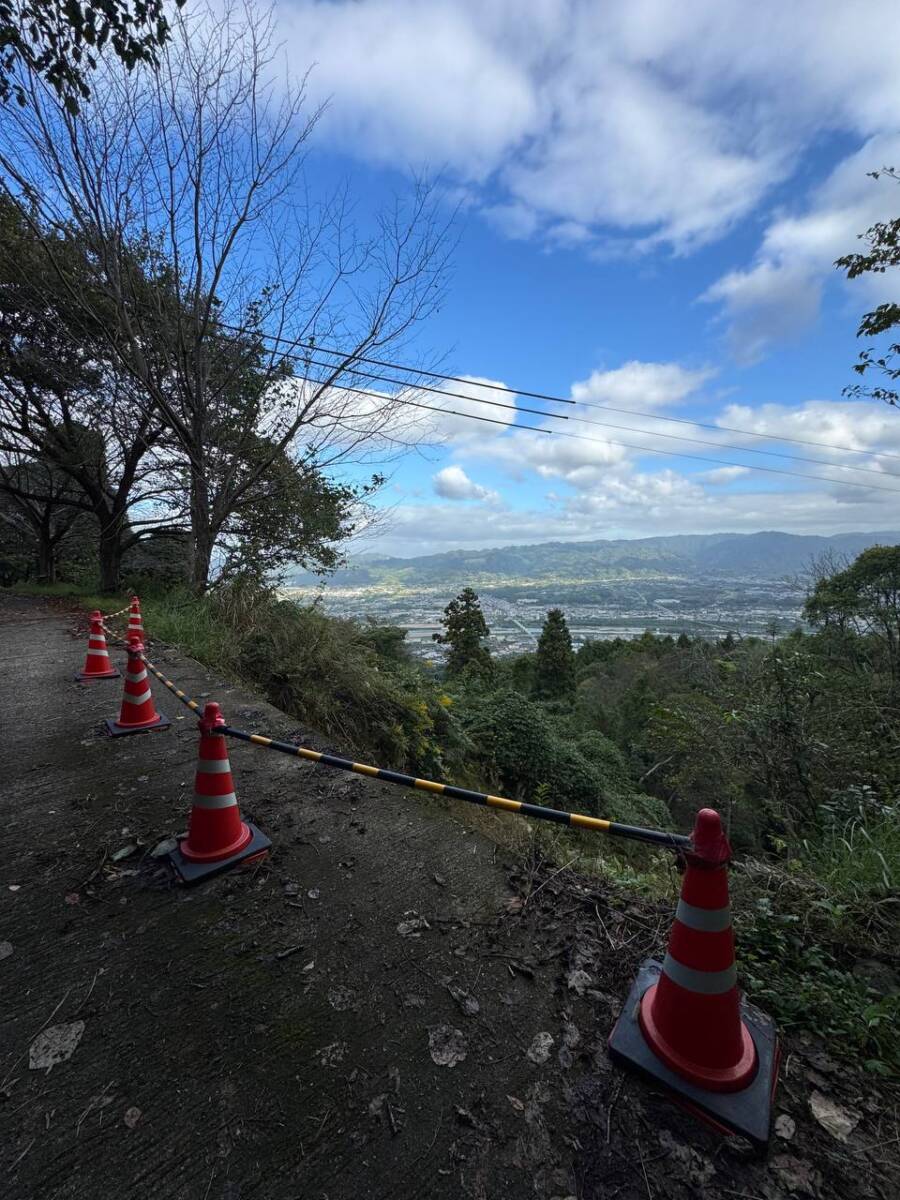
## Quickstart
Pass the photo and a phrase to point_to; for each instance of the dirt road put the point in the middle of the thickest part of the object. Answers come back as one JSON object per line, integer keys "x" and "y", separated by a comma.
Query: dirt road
{"x": 364, "y": 1015}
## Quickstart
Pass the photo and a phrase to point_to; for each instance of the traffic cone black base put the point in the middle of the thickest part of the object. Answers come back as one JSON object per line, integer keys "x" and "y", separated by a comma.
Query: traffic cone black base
{"x": 194, "y": 872}
{"x": 747, "y": 1112}
{"x": 116, "y": 730}
{"x": 112, "y": 673}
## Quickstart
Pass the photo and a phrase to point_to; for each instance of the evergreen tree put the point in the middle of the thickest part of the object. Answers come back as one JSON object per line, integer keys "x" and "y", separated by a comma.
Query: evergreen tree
{"x": 465, "y": 633}
{"x": 554, "y": 677}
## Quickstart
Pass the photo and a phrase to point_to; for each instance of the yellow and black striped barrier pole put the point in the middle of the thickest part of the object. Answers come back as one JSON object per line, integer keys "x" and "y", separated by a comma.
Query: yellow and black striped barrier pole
{"x": 173, "y": 688}
{"x": 109, "y": 616}
{"x": 655, "y": 837}
{"x": 674, "y": 841}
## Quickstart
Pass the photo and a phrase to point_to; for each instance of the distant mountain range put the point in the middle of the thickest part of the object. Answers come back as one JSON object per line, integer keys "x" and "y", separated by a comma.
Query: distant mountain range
{"x": 768, "y": 555}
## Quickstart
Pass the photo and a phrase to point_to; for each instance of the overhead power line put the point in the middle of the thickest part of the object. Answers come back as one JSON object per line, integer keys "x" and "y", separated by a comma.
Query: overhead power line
{"x": 424, "y": 387}
{"x": 873, "y": 487}
{"x": 351, "y": 356}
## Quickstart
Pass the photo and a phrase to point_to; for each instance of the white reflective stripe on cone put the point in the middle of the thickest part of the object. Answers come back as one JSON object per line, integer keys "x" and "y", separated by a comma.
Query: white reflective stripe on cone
{"x": 98, "y": 653}
{"x": 705, "y": 920}
{"x": 215, "y": 801}
{"x": 137, "y": 699}
{"x": 707, "y": 983}
{"x": 135, "y": 678}
{"x": 213, "y": 766}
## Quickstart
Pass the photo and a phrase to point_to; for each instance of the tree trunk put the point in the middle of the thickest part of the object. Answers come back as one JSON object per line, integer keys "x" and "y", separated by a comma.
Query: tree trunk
{"x": 46, "y": 560}
{"x": 110, "y": 559}
{"x": 202, "y": 536}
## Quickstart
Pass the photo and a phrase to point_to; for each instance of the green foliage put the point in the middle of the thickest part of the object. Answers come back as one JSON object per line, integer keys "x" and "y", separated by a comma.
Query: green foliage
{"x": 61, "y": 40}
{"x": 794, "y": 973}
{"x": 291, "y": 515}
{"x": 465, "y": 632}
{"x": 863, "y": 601}
{"x": 326, "y": 672}
{"x": 554, "y": 676}
{"x": 516, "y": 743}
{"x": 883, "y": 254}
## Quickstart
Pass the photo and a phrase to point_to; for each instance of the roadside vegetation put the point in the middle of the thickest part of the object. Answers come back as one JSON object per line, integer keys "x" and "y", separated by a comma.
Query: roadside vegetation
{"x": 795, "y": 739}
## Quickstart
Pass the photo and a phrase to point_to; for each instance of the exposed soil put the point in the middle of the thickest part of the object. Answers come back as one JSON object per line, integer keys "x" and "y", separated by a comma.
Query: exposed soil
{"x": 273, "y": 1033}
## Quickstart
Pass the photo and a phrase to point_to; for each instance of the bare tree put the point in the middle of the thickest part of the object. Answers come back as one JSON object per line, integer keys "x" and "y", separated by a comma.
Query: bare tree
{"x": 201, "y": 165}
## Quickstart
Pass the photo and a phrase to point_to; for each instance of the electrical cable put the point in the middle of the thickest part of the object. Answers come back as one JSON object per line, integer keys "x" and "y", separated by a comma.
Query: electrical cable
{"x": 352, "y": 356}
{"x": 424, "y": 387}
{"x": 614, "y": 442}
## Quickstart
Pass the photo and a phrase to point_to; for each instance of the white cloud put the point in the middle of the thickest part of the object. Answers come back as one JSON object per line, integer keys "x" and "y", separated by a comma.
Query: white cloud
{"x": 640, "y": 385}
{"x": 476, "y": 410}
{"x": 779, "y": 294}
{"x": 607, "y": 490}
{"x": 638, "y": 505}
{"x": 452, "y": 483}
{"x": 837, "y": 427}
{"x": 407, "y": 81}
{"x": 771, "y": 301}
{"x": 572, "y": 444}
{"x": 662, "y": 122}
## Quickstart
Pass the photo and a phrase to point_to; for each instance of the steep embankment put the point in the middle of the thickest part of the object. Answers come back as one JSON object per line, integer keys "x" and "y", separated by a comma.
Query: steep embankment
{"x": 290, "y": 1030}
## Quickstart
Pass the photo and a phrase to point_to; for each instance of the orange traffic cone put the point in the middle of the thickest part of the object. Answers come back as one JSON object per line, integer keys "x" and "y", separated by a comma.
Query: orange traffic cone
{"x": 217, "y": 837}
{"x": 685, "y": 1024}
{"x": 97, "y": 663}
{"x": 135, "y": 624}
{"x": 138, "y": 711}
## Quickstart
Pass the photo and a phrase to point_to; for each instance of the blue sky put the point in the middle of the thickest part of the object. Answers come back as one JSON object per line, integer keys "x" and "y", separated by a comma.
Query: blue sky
{"x": 652, "y": 196}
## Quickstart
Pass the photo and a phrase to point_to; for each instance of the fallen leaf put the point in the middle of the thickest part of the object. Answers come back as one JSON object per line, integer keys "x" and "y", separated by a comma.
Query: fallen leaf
{"x": 796, "y": 1175}
{"x": 314, "y": 893}
{"x": 840, "y": 1122}
{"x": 125, "y": 852}
{"x": 166, "y": 846}
{"x": 515, "y": 904}
{"x": 539, "y": 1050}
{"x": 467, "y": 1002}
{"x": 516, "y": 1103}
{"x": 578, "y": 981}
{"x": 446, "y": 1045}
{"x": 132, "y": 1116}
{"x": 54, "y": 1045}
{"x": 72, "y": 898}
{"x": 5, "y": 949}
{"x": 785, "y": 1126}
{"x": 412, "y": 927}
